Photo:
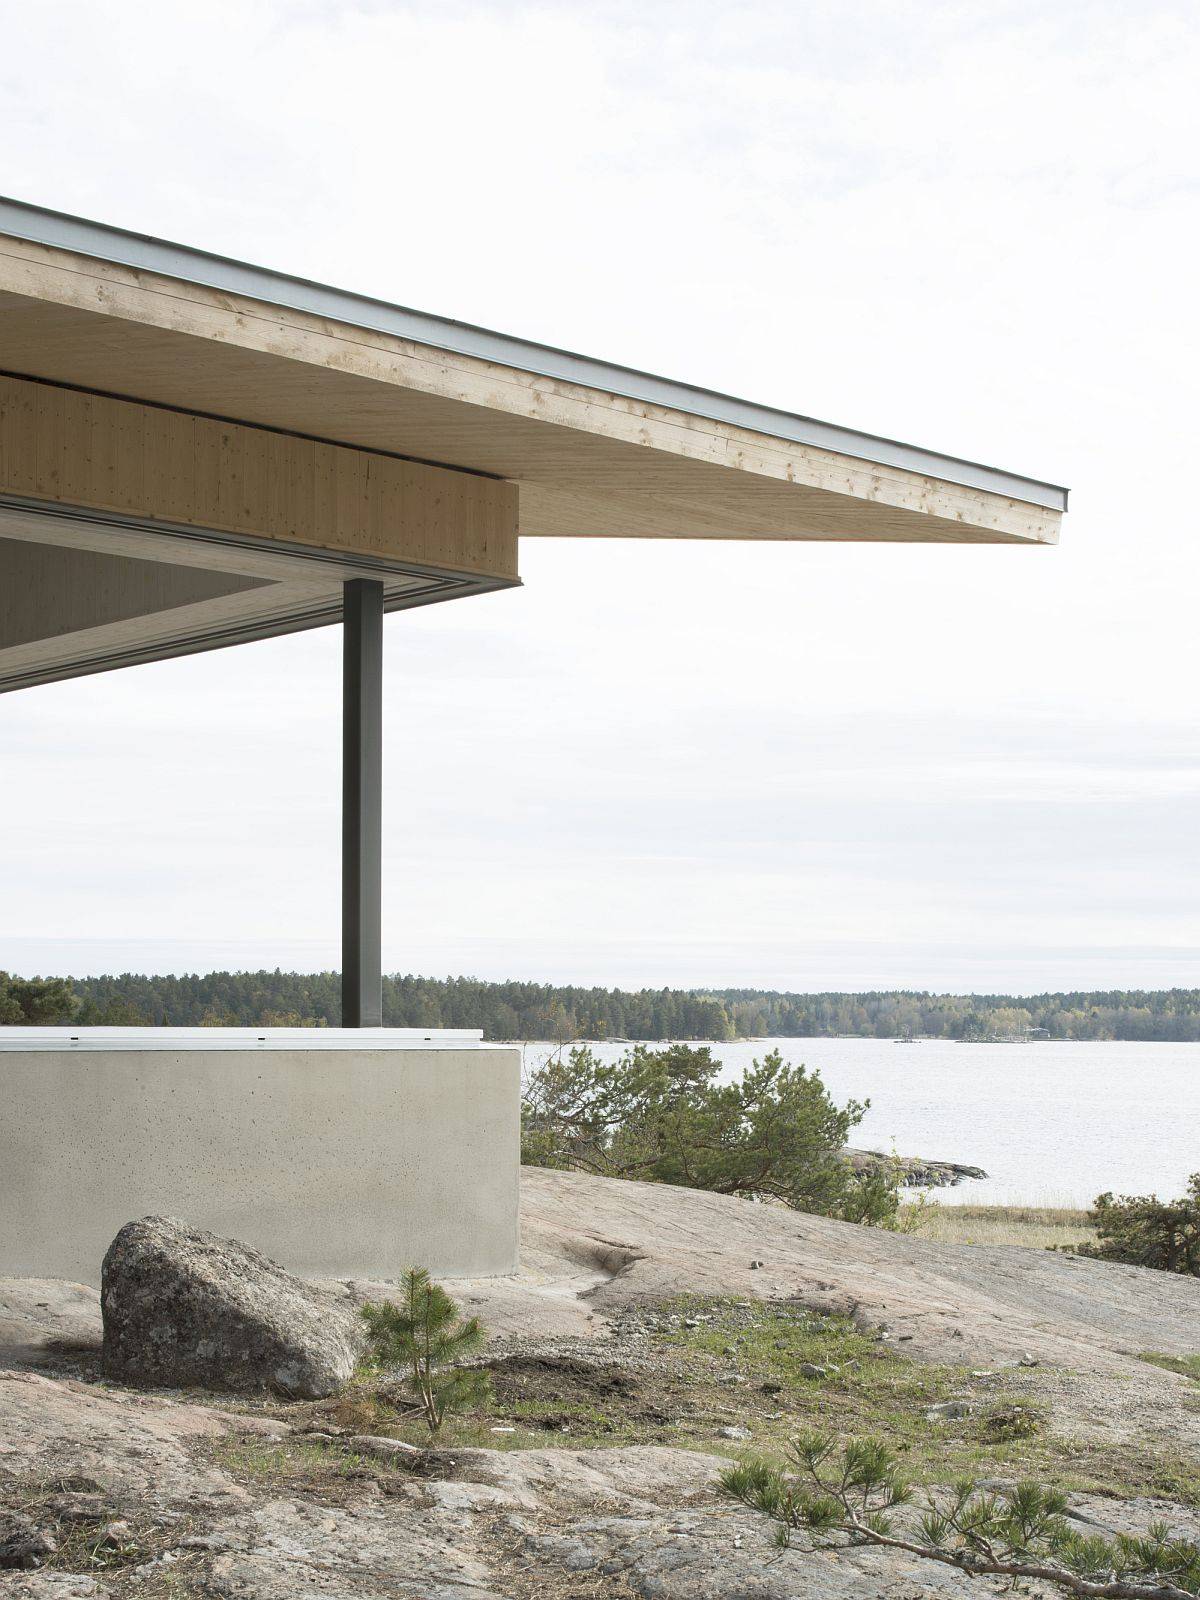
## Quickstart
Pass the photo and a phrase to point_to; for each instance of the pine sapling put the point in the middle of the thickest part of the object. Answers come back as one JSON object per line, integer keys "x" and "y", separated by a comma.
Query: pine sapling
{"x": 423, "y": 1336}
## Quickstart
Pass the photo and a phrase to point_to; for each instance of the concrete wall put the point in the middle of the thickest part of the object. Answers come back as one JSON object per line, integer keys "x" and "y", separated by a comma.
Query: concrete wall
{"x": 336, "y": 1163}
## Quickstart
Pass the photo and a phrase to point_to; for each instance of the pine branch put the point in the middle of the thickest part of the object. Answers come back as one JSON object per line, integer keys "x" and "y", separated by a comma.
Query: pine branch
{"x": 1020, "y": 1535}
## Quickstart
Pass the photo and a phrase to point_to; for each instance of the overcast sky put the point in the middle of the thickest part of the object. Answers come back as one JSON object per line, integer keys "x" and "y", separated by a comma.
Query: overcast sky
{"x": 972, "y": 227}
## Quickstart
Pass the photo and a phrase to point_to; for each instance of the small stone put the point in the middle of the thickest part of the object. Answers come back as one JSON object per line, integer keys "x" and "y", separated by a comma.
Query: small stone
{"x": 809, "y": 1369}
{"x": 1028, "y": 1361}
{"x": 381, "y": 1447}
{"x": 756, "y": 1265}
{"x": 734, "y": 1431}
{"x": 949, "y": 1411}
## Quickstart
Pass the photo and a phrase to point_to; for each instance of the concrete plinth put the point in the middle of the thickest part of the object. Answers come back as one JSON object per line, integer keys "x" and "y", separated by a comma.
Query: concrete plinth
{"x": 340, "y": 1153}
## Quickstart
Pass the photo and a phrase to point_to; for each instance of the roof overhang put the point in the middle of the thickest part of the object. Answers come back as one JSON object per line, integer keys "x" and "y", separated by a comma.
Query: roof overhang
{"x": 167, "y": 353}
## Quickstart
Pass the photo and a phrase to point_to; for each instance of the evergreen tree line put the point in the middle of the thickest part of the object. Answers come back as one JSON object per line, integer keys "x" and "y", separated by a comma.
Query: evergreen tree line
{"x": 514, "y": 1010}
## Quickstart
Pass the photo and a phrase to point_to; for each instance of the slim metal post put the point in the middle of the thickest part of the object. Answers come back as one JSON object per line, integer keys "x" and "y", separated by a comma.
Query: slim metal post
{"x": 362, "y": 803}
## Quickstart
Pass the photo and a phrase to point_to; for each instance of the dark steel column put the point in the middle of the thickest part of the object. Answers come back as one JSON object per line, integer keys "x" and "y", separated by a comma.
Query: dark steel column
{"x": 362, "y": 803}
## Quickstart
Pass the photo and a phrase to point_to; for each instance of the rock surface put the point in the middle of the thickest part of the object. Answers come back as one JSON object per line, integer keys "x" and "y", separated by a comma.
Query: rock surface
{"x": 38, "y": 1313}
{"x": 249, "y": 1507}
{"x": 615, "y": 1244}
{"x": 53, "y": 1586}
{"x": 181, "y": 1307}
{"x": 633, "y": 1523}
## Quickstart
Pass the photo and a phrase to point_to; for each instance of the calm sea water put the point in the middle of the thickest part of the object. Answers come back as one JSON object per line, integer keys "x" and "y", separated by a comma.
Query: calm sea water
{"x": 1051, "y": 1123}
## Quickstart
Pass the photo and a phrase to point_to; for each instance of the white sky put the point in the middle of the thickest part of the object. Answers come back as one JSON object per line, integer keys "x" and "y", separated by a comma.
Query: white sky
{"x": 972, "y": 227}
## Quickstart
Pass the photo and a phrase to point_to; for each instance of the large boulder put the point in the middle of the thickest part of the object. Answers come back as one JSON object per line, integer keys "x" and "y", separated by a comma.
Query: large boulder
{"x": 181, "y": 1306}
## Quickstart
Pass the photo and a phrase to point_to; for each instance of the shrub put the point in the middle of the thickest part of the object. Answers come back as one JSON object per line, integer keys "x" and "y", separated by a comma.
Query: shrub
{"x": 1144, "y": 1231}
{"x": 1004, "y": 1423}
{"x": 662, "y": 1116}
{"x": 1021, "y": 1533}
{"x": 420, "y": 1338}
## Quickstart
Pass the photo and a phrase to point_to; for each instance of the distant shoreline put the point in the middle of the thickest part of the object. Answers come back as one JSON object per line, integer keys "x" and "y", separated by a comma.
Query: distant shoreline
{"x": 512, "y": 1009}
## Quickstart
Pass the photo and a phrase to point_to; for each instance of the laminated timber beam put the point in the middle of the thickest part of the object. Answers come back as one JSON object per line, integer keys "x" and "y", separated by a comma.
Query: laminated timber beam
{"x": 129, "y": 531}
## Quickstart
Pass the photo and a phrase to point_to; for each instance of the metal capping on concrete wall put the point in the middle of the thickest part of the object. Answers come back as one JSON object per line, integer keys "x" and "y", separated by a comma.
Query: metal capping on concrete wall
{"x": 21, "y": 220}
{"x": 169, "y": 1039}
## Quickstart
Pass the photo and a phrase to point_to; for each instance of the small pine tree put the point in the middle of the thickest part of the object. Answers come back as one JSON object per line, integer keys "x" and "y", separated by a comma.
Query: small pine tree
{"x": 422, "y": 1337}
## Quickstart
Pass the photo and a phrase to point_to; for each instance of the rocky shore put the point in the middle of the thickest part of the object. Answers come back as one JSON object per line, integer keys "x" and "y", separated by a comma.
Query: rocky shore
{"x": 915, "y": 1171}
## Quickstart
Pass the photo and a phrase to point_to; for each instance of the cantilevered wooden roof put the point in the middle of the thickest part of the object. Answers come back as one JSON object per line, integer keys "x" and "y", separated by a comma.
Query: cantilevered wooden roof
{"x": 151, "y": 393}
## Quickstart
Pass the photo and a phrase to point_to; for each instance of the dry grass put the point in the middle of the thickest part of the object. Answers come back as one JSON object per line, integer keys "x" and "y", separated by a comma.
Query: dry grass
{"x": 529, "y": 1575}
{"x": 1038, "y": 1227}
{"x": 125, "y": 1546}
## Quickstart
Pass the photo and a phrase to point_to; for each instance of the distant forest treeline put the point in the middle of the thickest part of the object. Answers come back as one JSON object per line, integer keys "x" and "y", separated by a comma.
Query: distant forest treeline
{"x": 514, "y": 1010}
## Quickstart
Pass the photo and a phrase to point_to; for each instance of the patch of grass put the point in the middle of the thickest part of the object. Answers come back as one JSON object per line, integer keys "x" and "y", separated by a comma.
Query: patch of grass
{"x": 820, "y": 1371}
{"x": 294, "y": 1462}
{"x": 869, "y": 1390}
{"x": 702, "y": 1366}
{"x": 1189, "y": 1366}
{"x": 1037, "y": 1227}
{"x": 575, "y": 1417}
